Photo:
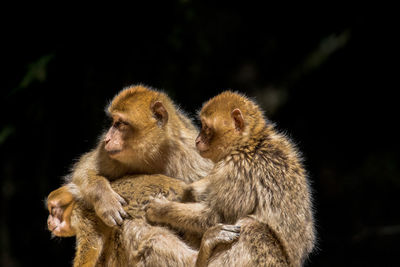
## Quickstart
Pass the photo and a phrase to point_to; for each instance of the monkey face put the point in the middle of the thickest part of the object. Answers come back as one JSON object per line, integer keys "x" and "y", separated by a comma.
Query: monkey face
{"x": 137, "y": 131}
{"x": 60, "y": 205}
{"x": 214, "y": 139}
{"x": 115, "y": 139}
{"x": 222, "y": 127}
{"x": 203, "y": 140}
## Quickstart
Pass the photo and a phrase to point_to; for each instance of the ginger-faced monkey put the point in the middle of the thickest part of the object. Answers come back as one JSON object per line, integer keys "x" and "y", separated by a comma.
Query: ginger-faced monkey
{"x": 258, "y": 182}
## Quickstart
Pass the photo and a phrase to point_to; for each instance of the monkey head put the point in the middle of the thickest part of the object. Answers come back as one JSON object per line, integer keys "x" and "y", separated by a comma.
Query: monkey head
{"x": 60, "y": 204}
{"x": 139, "y": 125}
{"x": 227, "y": 120}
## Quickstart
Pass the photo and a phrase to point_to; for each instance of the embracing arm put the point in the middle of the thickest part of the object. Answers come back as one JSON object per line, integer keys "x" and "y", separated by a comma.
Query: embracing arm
{"x": 191, "y": 217}
{"x": 95, "y": 190}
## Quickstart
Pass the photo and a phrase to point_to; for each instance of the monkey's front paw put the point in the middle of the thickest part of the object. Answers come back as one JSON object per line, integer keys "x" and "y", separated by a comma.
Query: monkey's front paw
{"x": 109, "y": 207}
{"x": 156, "y": 209}
{"x": 221, "y": 234}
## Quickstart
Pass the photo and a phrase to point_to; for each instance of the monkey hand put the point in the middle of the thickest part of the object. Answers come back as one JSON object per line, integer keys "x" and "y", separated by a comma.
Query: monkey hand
{"x": 109, "y": 207}
{"x": 156, "y": 209}
{"x": 220, "y": 234}
{"x": 214, "y": 236}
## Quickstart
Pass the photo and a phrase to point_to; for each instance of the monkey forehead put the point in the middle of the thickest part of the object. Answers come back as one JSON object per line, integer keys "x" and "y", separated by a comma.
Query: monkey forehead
{"x": 137, "y": 99}
{"x": 219, "y": 122}
{"x": 225, "y": 103}
{"x": 131, "y": 96}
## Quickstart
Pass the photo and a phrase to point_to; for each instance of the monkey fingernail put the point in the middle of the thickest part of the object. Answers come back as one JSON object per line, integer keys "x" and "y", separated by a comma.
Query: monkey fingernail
{"x": 124, "y": 215}
{"x": 118, "y": 218}
{"x": 123, "y": 202}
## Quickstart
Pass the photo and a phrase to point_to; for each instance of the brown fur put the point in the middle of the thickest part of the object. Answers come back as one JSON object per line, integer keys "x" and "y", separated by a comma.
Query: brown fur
{"x": 162, "y": 142}
{"x": 258, "y": 182}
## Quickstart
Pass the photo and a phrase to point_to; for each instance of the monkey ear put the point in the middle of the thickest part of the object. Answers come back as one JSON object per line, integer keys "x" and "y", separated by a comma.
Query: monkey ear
{"x": 160, "y": 113}
{"x": 238, "y": 119}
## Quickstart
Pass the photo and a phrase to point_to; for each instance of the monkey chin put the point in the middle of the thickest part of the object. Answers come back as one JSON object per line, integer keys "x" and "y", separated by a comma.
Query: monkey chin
{"x": 205, "y": 153}
{"x": 59, "y": 228}
{"x": 114, "y": 153}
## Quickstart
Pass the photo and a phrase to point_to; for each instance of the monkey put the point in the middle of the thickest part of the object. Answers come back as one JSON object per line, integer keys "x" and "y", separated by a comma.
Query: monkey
{"x": 144, "y": 141}
{"x": 258, "y": 182}
{"x": 148, "y": 135}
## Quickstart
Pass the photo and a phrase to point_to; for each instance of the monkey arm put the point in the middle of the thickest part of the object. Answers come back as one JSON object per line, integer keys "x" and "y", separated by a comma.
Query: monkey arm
{"x": 89, "y": 238}
{"x": 95, "y": 190}
{"x": 191, "y": 217}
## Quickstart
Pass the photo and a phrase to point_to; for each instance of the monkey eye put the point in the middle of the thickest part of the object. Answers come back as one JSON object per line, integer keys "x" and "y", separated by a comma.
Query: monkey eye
{"x": 207, "y": 129}
{"x": 117, "y": 124}
{"x": 120, "y": 124}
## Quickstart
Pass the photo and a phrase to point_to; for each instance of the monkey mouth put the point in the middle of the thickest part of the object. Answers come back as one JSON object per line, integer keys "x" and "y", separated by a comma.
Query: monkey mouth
{"x": 113, "y": 152}
{"x": 202, "y": 150}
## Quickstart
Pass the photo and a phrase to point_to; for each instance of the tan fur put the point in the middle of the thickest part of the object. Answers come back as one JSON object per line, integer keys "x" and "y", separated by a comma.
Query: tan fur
{"x": 258, "y": 182}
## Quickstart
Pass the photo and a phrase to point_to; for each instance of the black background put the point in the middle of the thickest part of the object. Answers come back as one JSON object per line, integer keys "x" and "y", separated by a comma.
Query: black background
{"x": 325, "y": 74}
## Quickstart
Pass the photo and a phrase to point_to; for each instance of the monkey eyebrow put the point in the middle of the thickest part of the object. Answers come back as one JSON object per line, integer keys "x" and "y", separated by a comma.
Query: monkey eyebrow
{"x": 123, "y": 122}
{"x": 120, "y": 116}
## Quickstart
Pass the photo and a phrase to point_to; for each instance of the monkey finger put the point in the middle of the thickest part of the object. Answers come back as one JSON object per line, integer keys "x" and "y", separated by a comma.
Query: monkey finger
{"x": 122, "y": 201}
{"x": 108, "y": 218}
{"x": 228, "y": 236}
{"x": 231, "y": 228}
{"x": 118, "y": 218}
{"x": 123, "y": 214}
{"x": 160, "y": 196}
{"x": 109, "y": 221}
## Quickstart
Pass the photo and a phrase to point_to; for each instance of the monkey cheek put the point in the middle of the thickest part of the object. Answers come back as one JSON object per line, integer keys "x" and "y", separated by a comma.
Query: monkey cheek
{"x": 205, "y": 153}
{"x": 113, "y": 148}
{"x": 52, "y": 223}
{"x": 203, "y": 149}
